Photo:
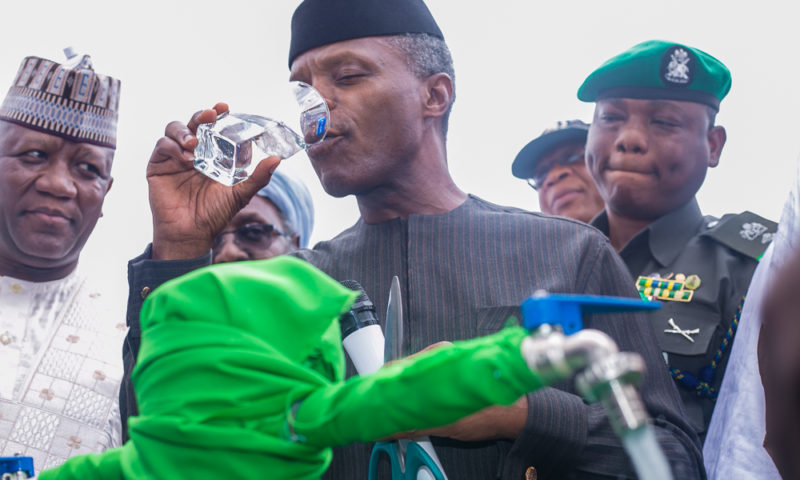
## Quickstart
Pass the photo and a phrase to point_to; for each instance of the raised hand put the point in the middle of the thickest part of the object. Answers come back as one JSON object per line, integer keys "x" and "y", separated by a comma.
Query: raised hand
{"x": 189, "y": 209}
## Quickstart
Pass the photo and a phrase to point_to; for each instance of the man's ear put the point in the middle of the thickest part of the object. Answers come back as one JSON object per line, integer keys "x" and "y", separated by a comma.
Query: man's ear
{"x": 716, "y": 140}
{"x": 438, "y": 94}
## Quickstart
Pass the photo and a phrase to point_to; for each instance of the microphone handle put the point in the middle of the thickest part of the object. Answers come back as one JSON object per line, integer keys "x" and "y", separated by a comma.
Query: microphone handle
{"x": 365, "y": 348}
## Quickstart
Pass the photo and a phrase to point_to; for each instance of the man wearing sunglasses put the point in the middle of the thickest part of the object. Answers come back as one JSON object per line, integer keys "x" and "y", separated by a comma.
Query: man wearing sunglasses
{"x": 278, "y": 220}
{"x": 553, "y": 164}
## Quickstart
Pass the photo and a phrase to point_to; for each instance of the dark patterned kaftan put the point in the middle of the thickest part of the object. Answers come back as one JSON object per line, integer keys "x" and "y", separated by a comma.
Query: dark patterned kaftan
{"x": 463, "y": 274}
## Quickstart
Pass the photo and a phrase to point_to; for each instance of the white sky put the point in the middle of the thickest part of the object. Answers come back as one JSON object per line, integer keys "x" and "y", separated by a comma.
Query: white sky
{"x": 518, "y": 66}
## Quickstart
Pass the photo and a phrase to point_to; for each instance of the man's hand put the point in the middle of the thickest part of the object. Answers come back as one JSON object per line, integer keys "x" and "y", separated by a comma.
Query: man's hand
{"x": 491, "y": 423}
{"x": 189, "y": 209}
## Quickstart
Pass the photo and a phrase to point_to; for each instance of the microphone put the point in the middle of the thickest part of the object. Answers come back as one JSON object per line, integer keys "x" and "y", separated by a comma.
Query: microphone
{"x": 362, "y": 336}
{"x": 363, "y": 341}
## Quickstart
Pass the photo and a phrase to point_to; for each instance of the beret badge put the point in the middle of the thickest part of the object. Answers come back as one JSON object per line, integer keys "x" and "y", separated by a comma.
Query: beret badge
{"x": 677, "y": 67}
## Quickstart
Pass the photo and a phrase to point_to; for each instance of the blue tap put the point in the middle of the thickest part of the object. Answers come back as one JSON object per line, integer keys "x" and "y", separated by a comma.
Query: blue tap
{"x": 568, "y": 310}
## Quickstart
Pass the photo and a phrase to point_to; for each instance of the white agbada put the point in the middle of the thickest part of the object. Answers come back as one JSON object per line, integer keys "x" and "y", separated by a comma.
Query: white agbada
{"x": 61, "y": 365}
{"x": 734, "y": 444}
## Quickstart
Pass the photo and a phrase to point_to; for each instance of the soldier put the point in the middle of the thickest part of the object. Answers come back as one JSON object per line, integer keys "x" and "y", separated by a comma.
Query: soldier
{"x": 553, "y": 164}
{"x": 650, "y": 144}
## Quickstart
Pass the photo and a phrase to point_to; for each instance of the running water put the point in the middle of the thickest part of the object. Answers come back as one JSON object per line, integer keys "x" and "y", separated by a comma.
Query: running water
{"x": 648, "y": 459}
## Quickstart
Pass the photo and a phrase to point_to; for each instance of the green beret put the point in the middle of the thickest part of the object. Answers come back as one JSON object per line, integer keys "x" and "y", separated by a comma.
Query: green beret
{"x": 659, "y": 70}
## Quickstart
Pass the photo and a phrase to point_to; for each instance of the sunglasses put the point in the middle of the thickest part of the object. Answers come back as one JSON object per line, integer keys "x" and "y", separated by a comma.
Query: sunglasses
{"x": 540, "y": 174}
{"x": 253, "y": 236}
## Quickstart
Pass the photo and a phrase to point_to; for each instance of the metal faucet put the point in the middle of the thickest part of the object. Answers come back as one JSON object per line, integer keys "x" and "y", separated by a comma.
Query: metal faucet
{"x": 559, "y": 347}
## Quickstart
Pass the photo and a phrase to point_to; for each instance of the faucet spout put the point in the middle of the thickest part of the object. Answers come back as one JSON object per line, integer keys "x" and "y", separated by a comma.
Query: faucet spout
{"x": 556, "y": 356}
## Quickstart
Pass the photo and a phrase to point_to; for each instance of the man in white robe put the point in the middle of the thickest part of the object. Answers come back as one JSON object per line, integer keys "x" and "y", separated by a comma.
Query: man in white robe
{"x": 734, "y": 447}
{"x": 59, "y": 337}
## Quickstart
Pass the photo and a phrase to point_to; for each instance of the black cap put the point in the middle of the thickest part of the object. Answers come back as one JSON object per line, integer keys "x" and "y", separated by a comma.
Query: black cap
{"x": 321, "y": 22}
{"x": 564, "y": 132}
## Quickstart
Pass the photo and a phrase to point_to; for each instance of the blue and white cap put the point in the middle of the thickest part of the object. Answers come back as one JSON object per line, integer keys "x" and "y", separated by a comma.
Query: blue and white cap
{"x": 293, "y": 200}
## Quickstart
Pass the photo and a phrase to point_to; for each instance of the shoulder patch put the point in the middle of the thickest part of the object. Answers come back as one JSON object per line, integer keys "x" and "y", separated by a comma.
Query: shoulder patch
{"x": 746, "y": 233}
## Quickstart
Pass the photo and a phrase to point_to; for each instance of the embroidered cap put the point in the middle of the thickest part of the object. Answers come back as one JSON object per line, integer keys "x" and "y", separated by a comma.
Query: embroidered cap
{"x": 564, "y": 132}
{"x": 659, "y": 70}
{"x": 70, "y": 100}
{"x": 321, "y": 22}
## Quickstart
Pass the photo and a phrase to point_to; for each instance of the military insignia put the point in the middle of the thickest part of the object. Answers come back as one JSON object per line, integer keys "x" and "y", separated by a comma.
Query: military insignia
{"x": 751, "y": 231}
{"x": 692, "y": 282}
{"x": 655, "y": 288}
{"x": 677, "y": 67}
{"x": 746, "y": 233}
{"x": 687, "y": 334}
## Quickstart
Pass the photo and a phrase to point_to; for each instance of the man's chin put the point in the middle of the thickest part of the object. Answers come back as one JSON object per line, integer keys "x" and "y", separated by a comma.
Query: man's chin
{"x": 638, "y": 212}
{"x": 635, "y": 204}
{"x": 567, "y": 202}
{"x": 335, "y": 190}
{"x": 49, "y": 255}
{"x": 575, "y": 213}
{"x": 335, "y": 187}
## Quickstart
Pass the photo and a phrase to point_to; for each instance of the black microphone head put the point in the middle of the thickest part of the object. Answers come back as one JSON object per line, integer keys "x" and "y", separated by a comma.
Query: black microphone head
{"x": 353, "y": 285}
{"x": 361, "y": 314}
{"x": 362, "y": 301}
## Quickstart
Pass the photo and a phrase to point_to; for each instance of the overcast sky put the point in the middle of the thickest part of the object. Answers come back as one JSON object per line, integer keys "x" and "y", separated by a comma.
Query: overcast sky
{"x": 518, "y": 66}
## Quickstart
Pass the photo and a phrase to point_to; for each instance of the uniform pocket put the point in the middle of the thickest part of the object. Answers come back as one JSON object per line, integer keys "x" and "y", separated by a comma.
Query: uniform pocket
{"x": 685, "y": 328}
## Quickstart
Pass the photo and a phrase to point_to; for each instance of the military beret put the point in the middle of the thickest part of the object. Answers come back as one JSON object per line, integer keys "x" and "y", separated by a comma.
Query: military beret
{"x": 659, "y": 70}
{"x": 321, "y": 22}
{"x": 564, "y": 132}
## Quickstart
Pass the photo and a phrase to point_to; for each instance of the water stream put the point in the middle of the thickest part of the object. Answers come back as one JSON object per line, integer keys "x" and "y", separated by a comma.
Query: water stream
{"x": 648, "y": 459}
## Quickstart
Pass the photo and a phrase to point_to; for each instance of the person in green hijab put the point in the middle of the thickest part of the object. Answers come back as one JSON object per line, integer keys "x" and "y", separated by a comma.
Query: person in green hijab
{"x": 241, "y": 374}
